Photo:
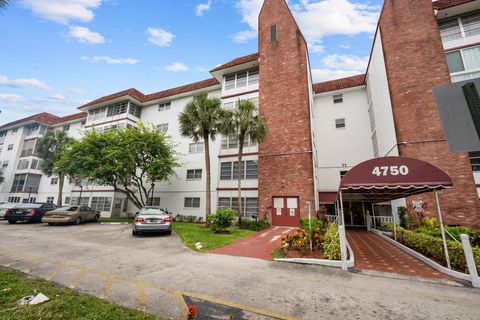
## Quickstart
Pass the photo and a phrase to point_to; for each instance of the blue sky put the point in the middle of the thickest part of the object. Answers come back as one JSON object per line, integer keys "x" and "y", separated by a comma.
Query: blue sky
{"x": 58, "y": 54}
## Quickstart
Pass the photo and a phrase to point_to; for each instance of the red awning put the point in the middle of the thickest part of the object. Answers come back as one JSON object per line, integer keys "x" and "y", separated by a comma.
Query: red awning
{"x": 389, "y": 178}
{"x": 327, "y": 197}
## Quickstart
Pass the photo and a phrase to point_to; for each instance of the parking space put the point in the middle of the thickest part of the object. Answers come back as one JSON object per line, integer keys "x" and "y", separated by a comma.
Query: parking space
{"x": 160, "y": 275}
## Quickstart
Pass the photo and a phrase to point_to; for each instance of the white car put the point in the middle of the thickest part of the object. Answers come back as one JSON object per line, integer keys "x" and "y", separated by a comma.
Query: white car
{"x": 4, "y": 207}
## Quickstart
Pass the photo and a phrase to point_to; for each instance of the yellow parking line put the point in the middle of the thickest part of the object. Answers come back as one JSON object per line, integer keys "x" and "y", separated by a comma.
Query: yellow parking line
{"x": 33, "y": 267}
{"x": 181, "y": 304}
{"x": 55, "y": 272}
{"x": 141, "y": 301}
{"x": 79, "y": 278}
{"x": 10, "y": 264}
{"x": 107, "y": 287}
{"x": 239, "y": 306}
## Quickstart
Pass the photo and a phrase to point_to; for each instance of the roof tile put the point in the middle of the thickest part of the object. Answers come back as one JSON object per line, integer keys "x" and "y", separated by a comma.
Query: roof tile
{"x": 445, "y": 4}
{"x": 339, "y": 84}
{"x": 237, "y": 61}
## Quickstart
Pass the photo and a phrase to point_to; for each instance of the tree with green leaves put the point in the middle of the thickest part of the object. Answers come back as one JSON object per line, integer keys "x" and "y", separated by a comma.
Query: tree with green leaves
{"x": 244, "y": 122}
{"x": 4, "y": 4}
{"x": 51, "y": 148}
{"x": 200, "y": 121}
{"x": 130, "y": 160}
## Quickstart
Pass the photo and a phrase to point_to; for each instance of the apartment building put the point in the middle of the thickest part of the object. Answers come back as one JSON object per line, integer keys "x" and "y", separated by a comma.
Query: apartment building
{"x": 317, "y": 132}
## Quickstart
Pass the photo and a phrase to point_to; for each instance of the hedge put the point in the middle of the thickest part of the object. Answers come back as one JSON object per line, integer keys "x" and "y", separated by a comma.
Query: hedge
{"x": 433, "y": 248}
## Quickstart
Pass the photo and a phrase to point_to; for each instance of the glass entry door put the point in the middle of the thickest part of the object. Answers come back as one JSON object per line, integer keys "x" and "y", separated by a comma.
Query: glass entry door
{"x": 354, "y": 214}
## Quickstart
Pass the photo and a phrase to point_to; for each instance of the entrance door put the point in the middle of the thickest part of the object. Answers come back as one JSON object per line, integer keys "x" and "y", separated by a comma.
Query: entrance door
{"x": 354, "y": 214}
{"x": 285, "y": 211}
{"x": 117, "y": 208}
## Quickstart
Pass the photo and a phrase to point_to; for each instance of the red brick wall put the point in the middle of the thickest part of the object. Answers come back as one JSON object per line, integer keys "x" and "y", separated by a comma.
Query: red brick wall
{"x": 285, "y": 157}
{"x": 416, "y": 63}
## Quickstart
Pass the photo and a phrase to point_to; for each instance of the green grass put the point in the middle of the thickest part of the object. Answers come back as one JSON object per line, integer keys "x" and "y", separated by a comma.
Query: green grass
{"x": 277, "y": 253}
{"x": 128, "y": 220}
{"x": 191, "y": 233}
{"x": 63, "y": 304}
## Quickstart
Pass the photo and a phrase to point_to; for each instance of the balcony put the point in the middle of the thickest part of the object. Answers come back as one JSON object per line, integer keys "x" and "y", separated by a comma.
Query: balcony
{"x": 460, "y": 31}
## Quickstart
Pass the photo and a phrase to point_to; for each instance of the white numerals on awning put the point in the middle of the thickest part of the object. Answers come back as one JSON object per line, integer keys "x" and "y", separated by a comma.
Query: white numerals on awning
{"x": 390, "y": 171}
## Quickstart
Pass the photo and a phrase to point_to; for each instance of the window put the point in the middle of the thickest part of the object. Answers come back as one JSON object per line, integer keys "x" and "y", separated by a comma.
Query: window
{"x": 66, "y": 127}
{"x": 231, "y": 142}
{"x": 460, "y": 27}
{"x": 81, "y": 202}
{"x": 135, "y": 110}
{"x": 97, "y": 114}
{"x": 194, "y": 174}
{"x": 471, "y": 24}
{"x": 35, "y": 164}
{"x": 31, "y": 129}
{"x": 191, "y": 203}
{"x": 50, "y": 199}
{"x": 340, "y": 123}
{"x": 229, "y": 170}
{"x": 117, "y": 108}
{"x": 475, "y": 160}
{"x": 273, "y": 33}
{"x": 163, "y": 127}
{"x": 164, "y": 106}
{"x": 241, "y": 79}
{"x": 154, "y": 203}
{"x": 5, "y": 164}
{"x": 10, "y": 147}
{"x": 101, "y": 203}
{"x": 14, "y": 199}
{"x": 23, "y": 164}
{"x": 14, "y": 131}
{"x": 338, "y": 98}
{"x": 196, "y": 147}
{"x": 54, "y": 181}
{"x": 67, "y": 200}
{"x": 19, "y": 182}
{"x": 83, "y": 123}
{"x": 28, "y": 148}
{"x": 249, "y": 205}
{"x": 450, "y": 30}
{"x": 464, "y": 64}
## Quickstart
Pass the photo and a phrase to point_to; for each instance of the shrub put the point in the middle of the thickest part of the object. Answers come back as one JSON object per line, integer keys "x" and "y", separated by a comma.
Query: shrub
{"x": 296, "y": 241}
{"x": 254, "y": 225}
{"x": 221, "y": 220}
{"x": 187, "y": 218}
{"x": 432, "y": 247}
{"x": 430, "y": 223}
{"x": 331, "y": 244}
{"x": 316, "y": 224}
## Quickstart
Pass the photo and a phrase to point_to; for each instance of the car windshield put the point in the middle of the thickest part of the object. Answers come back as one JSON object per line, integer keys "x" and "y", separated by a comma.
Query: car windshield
{"x": 151, "y": 211}
{"x": 66, "y": 209}
{"x": 29, "y": 205}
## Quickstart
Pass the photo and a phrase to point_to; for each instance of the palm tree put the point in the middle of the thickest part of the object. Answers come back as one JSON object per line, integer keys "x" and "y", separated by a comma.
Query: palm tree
{"x": 244, "y": 122}
{"x": 4, "y": 4}
{"x": 50, "y": 148}
{"x": 200, "y": 120}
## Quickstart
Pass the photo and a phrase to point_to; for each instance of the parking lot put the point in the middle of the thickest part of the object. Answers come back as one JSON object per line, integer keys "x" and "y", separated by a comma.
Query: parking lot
{"x": 160, "y": 275}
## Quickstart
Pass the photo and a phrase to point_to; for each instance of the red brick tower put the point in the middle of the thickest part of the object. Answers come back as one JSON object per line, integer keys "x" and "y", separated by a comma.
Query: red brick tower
{"x": 285, "y": 157}
{"x": 415, "y": 63}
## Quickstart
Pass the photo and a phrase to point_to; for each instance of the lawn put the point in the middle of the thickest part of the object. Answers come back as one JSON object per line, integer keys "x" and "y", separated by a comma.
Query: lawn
{"x": 63, "y": 304}
{"x": 127, "y": 220}
{"x": 191, "y": 233}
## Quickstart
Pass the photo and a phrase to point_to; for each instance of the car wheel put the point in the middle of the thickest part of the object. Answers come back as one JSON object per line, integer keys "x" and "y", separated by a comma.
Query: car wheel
{"x": 96, "y": 218}
{"x": 134, "y": 233}
{"x": 78, "y": 220}
{"x": 12, "y": 221}
{"x": 169, "y": 232}
{"x": 51, "y": 223}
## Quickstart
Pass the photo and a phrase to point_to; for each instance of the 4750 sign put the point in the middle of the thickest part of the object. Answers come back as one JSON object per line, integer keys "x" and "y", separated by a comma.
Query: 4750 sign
{"x": 390, "y": 171}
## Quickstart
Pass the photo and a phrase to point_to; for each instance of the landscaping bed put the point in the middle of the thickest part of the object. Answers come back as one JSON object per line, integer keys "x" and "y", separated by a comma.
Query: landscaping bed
{"x": 63, "y": 304}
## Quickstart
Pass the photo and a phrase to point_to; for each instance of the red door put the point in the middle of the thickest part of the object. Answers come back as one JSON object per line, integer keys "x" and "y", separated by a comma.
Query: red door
{"x": 285, "y": 211}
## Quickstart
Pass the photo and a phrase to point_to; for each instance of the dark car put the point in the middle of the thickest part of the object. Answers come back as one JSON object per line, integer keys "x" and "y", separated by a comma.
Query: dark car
{"x": 28, "y": 212}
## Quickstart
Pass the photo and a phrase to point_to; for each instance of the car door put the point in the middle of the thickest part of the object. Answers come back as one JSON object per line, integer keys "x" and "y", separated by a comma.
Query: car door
{"x": 90, "y": 213}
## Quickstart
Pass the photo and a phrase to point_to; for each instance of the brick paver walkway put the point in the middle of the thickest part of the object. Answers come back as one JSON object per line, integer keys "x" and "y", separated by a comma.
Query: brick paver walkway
{"x": 374, "y": 253}
{"x": 258, "y": 245}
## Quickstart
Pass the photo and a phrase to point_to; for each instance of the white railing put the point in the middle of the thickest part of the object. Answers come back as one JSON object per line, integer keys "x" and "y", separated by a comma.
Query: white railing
{"x": 380, "y": 221}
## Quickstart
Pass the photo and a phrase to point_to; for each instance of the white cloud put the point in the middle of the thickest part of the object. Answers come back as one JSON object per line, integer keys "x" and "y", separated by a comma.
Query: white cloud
{"x": 10, "y": 98}
{"x": 57, "y": 98}
{"x": 76, "y": 91}
{"x": 84, "y": 35}
{"x": 176, "y": 67}
{"x": 23, "y": 83}
{"x": 160, "y": 37}
{"x": 316, "y": 19}
{"x": 63, "y": 11}
{"x": 349, "y": 62}
{"x": 109, "y": 60}
{"x": 344, "y": 45}
{"x": 203, "y": 7}
{"x": 320, "y": 75}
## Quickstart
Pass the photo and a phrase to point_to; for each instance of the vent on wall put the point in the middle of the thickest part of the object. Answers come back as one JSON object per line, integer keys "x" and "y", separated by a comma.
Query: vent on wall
{"x": 273, "y": 33}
